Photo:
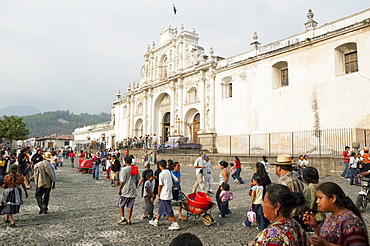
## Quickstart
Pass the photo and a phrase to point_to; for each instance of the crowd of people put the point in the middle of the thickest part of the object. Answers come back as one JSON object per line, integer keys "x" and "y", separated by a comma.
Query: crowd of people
{"x": 356, "y": 164}
{"x": 285, "y": 212}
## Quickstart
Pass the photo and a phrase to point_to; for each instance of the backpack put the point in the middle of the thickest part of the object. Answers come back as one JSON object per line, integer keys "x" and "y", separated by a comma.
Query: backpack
{"x": 134, "y": 170}
{"x": 231, "y": 196}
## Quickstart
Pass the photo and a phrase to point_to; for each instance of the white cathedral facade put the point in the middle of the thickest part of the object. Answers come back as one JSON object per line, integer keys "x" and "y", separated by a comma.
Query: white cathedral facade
{"x": 316, "y": 79}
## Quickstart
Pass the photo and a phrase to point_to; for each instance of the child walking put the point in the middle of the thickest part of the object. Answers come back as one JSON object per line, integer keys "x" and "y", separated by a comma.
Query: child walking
{"x": 225, "y": 197}
{"x": 148, "y": 193}
{"x": 256, "y": 203}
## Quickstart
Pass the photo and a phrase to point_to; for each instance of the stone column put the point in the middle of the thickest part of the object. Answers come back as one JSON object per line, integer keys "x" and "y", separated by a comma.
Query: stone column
{"x": 180, "y": 106}
{"x": 212, "y": 103}
{"x": 151, "y": 113}
{"x": 128, "y": 117}
{"x": 145, "y": 112}
{"x": 172, "y": 109}
{"x": 201, "y": 97}
{"x": 132, "y": 123}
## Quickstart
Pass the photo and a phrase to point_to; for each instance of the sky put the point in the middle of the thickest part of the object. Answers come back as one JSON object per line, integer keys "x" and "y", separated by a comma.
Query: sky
{"x": 76, "y": 54}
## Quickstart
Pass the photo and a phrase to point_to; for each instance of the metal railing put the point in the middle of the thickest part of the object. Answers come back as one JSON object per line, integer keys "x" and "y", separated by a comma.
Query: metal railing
{"x": 327, "y": 142}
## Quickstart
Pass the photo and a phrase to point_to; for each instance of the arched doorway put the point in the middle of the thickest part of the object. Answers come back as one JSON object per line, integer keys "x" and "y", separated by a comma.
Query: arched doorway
{"x": 139, "y": 128}
{"x": 166, "y": 126}
{"x": 196, "y": 127}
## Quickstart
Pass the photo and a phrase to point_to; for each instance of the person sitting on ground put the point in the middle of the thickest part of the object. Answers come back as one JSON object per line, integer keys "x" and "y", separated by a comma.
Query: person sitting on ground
{"x": 278, "y": 204}
{"x": 345, "y": 225}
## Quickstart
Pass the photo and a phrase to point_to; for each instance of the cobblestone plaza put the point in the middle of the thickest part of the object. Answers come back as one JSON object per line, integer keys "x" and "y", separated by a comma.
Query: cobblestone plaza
{"x": 84, "y": 211}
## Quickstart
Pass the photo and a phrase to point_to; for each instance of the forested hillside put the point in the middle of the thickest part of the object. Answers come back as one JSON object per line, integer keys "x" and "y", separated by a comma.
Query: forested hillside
{"x": 60, "y": 122}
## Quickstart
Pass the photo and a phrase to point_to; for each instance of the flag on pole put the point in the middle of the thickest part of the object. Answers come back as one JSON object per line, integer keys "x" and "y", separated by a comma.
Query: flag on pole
{"x": 174, "y": 9}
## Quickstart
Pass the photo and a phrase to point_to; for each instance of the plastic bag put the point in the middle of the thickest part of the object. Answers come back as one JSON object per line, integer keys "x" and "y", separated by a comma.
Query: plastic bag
{"x": 251, "y": 216}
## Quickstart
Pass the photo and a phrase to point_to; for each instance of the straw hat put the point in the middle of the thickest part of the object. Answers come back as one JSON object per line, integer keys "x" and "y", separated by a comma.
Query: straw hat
{"x": 48, "y": 156}
{"x": 283, "y": 160}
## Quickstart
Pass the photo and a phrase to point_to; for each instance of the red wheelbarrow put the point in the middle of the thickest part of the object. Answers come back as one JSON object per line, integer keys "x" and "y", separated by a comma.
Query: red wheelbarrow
{"x": 85, "y": 166}
{"x": 196, "y": 207}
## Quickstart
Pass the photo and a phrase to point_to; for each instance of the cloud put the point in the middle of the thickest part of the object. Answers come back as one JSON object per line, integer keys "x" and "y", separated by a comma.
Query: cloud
{"x": 76, "y": 54}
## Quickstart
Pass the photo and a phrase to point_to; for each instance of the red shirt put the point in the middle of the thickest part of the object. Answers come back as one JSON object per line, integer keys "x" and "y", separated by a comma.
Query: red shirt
{"x": 366, "y": 158}
{"x": 237, "y": 164}
{"x": 71, "y": 154}
{"x": 345, "y": 154}
{"x": 127, "y": 152}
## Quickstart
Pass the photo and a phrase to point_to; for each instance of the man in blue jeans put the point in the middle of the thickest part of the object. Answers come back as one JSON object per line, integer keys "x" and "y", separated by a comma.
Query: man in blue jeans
{"x": 346, "y": 171}
{"x": 95, "y": 170}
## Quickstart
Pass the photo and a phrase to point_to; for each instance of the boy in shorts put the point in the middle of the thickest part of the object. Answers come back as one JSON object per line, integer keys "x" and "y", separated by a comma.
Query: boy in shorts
{"x": 127, "y": 191}
{"x": 165, "y": 197}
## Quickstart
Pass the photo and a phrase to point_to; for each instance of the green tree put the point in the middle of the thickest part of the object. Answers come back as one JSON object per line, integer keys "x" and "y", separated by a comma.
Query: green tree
{"x": 13, "y": 128}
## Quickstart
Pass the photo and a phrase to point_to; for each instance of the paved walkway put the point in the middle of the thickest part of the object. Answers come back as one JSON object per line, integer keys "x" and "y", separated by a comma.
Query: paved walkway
{"x": 83, "y": 211}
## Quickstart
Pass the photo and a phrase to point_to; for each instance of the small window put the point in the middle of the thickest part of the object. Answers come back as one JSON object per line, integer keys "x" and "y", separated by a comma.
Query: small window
{"x": 284, "y": 77}
{"x": 346, "y": 59}
{"x": 230, "y": 89}
{"x": 351, "y": 63}
{"x": 280, "y": 75}
{"x": 227, "y": 87}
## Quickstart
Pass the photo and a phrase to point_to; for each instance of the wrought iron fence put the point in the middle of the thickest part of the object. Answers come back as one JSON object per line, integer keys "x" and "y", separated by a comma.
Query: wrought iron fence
{"x": 327, "y": 142}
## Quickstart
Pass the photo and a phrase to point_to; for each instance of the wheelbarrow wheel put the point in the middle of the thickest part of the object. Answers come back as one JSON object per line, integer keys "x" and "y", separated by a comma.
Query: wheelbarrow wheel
{"x": 208, "y": 220}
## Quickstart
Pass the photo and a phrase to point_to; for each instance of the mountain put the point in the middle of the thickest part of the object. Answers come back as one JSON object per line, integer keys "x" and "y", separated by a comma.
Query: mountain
{"x": 19, "y": 110}
{"x": 60, "y": 122}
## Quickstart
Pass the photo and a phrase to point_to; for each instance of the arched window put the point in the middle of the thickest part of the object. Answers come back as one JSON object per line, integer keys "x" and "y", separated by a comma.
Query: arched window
{"x": 280, "y": 74}
{"x": 192, "y": 95}
{"x": 346, "y": 60}
{"x": 227, "y": 87}
{"x": 163, "y": 67}
{"x": 139, "y": 108}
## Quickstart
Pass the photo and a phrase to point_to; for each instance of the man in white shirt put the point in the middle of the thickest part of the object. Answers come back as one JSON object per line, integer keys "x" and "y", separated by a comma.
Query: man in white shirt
{"x": 166, "y": 180}
{"x": 199, "y": 171}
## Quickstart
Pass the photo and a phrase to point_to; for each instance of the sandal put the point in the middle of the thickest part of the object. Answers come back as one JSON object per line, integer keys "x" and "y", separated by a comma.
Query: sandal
{"x": 12, "y": 225}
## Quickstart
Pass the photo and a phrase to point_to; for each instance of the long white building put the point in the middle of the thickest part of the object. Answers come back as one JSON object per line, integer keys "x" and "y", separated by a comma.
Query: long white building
{"x": 315, "y": 80}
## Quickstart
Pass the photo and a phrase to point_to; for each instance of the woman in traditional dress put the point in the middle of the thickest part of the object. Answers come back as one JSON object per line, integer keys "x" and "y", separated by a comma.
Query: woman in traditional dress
{"x": 344, "y": 226}
{"x": 277, "y": 205}
{"x": 11, "y": 197}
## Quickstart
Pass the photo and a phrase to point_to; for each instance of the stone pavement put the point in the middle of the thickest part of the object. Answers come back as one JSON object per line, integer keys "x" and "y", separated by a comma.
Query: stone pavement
{"x": 83, "y": 211}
